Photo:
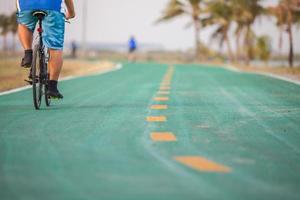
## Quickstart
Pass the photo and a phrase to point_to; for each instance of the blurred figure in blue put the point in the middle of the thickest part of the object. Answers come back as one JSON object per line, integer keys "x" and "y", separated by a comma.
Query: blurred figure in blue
{"x": 132, "y": 47}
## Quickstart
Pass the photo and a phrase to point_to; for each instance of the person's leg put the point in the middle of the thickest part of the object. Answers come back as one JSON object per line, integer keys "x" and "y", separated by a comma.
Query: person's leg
{"x": 130, "y": 55}
{"x": 55, "y": 63}
{"x": 25, "y": 36}
{"x": 53, "y": 37}
{"x": 25, "y": 32}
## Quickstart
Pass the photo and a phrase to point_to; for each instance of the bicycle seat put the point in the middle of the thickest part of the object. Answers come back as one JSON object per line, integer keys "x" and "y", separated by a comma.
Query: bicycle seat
{"x": 39, "y": 14}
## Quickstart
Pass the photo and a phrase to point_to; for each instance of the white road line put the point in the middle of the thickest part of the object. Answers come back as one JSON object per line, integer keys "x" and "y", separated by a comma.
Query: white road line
{"x": 117, "y": 67}
{"x": 231, "y": 68}
{"x": 279, "y": 77}
{"x": 15, "y": 90}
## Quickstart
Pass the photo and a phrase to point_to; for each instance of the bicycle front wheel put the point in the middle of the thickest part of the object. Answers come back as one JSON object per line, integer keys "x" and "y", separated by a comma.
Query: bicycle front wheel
{"x": 37, "y": 84}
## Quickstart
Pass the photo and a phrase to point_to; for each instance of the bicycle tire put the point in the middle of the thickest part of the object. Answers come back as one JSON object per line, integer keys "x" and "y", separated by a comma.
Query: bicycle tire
{"x": 37, "y": 85}
{"x": 47, "y": 98}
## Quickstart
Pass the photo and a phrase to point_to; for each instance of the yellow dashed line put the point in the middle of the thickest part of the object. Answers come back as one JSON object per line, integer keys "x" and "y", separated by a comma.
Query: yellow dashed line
{"x": 156, "y": 119}
{"x": 159, "y": 107}
{"x": 161, "y": 99}
{"x": 163, "y": 137}
{"x": 202, "y": 164}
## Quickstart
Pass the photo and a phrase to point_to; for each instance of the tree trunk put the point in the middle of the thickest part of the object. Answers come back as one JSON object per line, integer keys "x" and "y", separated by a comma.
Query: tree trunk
{"x": 238, "y": 46}
{"x": 280, "y": 39}
{"x": 230, "y": 54}
{"x": 247, "y": 46}
{"x": 291, "y": 51}
{"x": 14, "y": 43}
{"x": 197, "y": 39}
{"x": 4, "y": 42}
{"x": 290, "y": 33}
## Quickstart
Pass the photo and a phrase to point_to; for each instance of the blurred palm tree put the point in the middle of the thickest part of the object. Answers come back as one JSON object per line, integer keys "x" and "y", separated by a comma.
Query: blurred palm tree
{"x": 4, "y": 25}
{"x": 13, "y": 28}
{"x": 245, "y": 14}
{"x": 191, "y": 8}
{"x": 287, "y": 13}
{"x": 220, "y": 14}
{"x": 279, "y": 13}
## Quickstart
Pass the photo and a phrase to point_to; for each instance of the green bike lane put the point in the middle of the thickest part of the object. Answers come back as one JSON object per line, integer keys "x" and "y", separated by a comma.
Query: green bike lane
{"x": 96, "y": 143}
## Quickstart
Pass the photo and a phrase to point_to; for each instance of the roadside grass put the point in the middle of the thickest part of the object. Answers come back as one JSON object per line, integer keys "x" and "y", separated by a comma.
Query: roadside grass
{"x": 13, "y": 76}
{"x": 288, "y": 72}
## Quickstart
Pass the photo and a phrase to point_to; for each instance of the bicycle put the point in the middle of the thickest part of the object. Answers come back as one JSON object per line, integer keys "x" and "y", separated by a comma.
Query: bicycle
{"x": 39, "y": 68}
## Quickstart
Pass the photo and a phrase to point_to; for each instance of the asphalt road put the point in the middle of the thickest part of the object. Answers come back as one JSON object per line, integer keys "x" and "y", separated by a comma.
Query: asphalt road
{"x": 156, "y": 132}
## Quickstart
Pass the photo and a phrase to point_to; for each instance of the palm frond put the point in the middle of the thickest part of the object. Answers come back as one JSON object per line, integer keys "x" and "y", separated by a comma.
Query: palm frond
{"x": 172, "y": 10}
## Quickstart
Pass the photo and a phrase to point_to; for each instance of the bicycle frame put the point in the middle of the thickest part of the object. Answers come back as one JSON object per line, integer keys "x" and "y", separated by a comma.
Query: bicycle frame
{"x": 40, "y": 72}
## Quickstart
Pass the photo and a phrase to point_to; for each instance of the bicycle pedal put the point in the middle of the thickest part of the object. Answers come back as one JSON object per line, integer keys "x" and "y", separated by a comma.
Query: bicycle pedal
{"x": 28, "y": 81}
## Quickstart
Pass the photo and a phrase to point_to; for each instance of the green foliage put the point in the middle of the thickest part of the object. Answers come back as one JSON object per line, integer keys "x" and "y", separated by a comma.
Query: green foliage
{"x": 4, "y": 24}
{"x": 220, "y": 14}
{"x": 190, "y": 8}
{"x": 287, "y": 14}
{"x": 283, "y": 9}
{"x": 263, "y": 48}
{"x": 176, "y": 8}
{"x": 8, "y": 23}
{"x": 172, "y": 10}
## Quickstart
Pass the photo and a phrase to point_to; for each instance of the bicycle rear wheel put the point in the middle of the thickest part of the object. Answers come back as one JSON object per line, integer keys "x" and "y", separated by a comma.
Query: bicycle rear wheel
{"x": 37, "y": 83}
{"x": 47, "y": 98}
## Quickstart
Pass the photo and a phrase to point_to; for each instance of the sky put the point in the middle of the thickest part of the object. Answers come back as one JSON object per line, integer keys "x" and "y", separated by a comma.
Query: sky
{"x": 113, "y": 21}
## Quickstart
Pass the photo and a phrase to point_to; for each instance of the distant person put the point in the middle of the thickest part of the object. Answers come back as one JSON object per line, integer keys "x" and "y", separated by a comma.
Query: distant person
{"x": 53, "y": 34}
{"x": 132, "y": 47}
{"x": 74, "y": 49}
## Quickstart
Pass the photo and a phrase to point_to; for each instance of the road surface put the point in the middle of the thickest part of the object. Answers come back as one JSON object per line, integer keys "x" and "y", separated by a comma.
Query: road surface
{"x": 154, "y": 132}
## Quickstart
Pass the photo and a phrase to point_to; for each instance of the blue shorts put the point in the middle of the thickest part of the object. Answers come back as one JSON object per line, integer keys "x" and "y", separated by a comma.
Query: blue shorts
{"x": 53, "y": 27}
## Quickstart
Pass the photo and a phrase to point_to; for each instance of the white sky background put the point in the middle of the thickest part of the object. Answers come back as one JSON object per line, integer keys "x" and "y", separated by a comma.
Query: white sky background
{"x": 113, "y": 21}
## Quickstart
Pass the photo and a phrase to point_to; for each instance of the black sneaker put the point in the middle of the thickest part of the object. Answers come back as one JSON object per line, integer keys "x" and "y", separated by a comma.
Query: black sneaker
{"x": 27, "y": 60}
{"x": 54, "y": 94}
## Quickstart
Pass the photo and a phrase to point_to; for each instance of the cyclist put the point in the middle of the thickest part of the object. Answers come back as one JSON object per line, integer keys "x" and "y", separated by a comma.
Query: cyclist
{"x": 53, "y": 34}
